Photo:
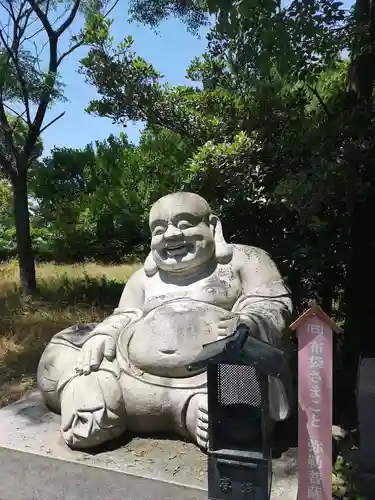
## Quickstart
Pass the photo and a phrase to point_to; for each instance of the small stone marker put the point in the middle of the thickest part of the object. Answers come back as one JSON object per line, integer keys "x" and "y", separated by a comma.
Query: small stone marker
{"x": 315, "y": 348}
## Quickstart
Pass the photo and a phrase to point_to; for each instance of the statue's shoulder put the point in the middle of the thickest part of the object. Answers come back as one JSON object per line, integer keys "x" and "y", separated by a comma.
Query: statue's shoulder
{"x": 256, "y": 264}
{"x": 138, "y": 277}
{"x": 245, "y": 254}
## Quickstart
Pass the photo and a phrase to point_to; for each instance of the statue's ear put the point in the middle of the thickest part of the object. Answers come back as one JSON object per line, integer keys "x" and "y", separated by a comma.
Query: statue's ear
{"x": 223, "y": 250}
{"x": 149, "y": 266}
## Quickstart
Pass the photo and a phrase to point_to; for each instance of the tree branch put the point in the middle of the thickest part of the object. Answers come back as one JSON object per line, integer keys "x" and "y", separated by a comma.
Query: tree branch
{"x": 321, "y": 102}
{"x": 65, "y": 25}
{"x": 25, "y": 16}
{"x": 10, "y": 3}
{"x": 9, "y": 169}
{"x": 42, "y": 28}
{"x": 111, "y": 9}
{"x": 43, "y": 18}
{"x": 81, "y": 42}
{"x": 38, "y": 53}
{"x": 12, "y": 54}
{"x": 30, "y": 37}
{"x": 69, "y": 51}
{"x": 36, "y": 126}
{"x": 52, "y": 122}
{"x": 61, "y": 16}
{"x": 6, "y": 8}
{"x": 16, "y": 113}
{"x": 49, "y": 83}
{"x": 20, "y": 23}
{"x": 48, "y": 4}
{"x": 8, "y": 140}
{"x": 5, "y": 29}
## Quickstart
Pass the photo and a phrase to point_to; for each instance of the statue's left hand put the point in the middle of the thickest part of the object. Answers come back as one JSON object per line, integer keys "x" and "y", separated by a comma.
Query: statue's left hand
{"x": 94, "y": 351}
{"x": 227, "y": 325}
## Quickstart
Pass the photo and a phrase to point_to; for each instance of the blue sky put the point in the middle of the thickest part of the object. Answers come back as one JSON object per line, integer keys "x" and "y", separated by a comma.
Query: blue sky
{"x": 170, "y": 52}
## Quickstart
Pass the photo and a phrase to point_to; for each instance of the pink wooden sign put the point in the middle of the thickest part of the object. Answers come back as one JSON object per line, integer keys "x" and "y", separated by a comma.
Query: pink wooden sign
{"x": 315, "y": 340}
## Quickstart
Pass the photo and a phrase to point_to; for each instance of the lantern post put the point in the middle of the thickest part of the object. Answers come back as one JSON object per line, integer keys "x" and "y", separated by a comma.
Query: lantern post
{"x": 240, "y": 428}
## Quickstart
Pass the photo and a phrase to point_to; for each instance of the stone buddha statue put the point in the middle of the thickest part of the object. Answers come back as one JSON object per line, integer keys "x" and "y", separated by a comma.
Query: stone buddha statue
{"x": 129, "y": 373}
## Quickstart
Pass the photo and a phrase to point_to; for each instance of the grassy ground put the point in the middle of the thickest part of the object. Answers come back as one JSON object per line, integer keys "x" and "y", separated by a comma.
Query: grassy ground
{"x": 67, "y": 295}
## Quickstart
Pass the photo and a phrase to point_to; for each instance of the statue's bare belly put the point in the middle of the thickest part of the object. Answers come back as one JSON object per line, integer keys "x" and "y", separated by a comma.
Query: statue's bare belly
{"x": 177, "y": 322}
{"x": 169, "y": 337}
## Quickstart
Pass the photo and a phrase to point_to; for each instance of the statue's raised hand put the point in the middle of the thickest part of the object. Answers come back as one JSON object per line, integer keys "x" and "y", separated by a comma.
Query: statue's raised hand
{"x": 94, "y": 351}
{"x": 227, "y": 325}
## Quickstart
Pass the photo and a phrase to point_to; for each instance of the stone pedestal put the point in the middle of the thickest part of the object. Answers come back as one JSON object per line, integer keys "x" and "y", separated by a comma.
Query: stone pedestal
{"x": 152, "y": 468}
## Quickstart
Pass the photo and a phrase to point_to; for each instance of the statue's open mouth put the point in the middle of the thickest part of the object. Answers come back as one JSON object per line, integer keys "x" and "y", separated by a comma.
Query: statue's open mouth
{"x": 174, "y": 250}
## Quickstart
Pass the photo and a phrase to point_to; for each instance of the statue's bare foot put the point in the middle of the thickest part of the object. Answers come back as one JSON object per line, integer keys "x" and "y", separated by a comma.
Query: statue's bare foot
{"x": 92, "y": 410}
{"x": 197, "y": 419}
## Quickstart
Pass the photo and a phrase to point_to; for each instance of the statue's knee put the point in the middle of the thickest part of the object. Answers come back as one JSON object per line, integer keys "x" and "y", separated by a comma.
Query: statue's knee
{"x": 57, "y": 359}
{"x": 92, "y": 410}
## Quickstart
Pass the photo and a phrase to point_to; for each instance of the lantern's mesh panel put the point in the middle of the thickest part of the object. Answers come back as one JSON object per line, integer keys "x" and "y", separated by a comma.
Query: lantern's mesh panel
{"x": 239, "y": 385}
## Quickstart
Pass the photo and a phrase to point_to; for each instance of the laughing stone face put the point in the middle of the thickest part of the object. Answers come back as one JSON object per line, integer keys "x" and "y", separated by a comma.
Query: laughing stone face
{"x": 182, "y": 237}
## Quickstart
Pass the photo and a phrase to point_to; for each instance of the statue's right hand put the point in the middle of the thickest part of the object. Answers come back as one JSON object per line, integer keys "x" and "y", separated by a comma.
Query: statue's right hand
{"x": 93, "y": 352}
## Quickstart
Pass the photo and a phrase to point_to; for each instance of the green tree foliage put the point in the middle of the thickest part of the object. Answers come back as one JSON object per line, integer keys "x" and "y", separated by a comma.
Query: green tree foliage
{"x": 6, "y": 208}
{"x": 95, "y": 201}
{"x": 20, "y": 131}
{"x": 297, "y": 38}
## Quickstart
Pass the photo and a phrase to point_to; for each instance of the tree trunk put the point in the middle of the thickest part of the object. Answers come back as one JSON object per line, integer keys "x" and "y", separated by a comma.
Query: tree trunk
{"x": 360, "y": 277}
{"x": 326, "y": 294}
{"x": 359, "y": 304}
{"x": 24, "y": 245}
{"x": 362, "y": 69}
{"x": 359, "y": 293}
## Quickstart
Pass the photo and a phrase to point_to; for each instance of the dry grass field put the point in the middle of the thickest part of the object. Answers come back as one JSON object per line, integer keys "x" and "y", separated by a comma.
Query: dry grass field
{"x": 67, "y": 295}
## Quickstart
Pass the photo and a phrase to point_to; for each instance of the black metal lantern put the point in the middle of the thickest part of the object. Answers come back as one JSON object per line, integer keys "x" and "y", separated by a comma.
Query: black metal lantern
{"x": 239, "y": 450}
